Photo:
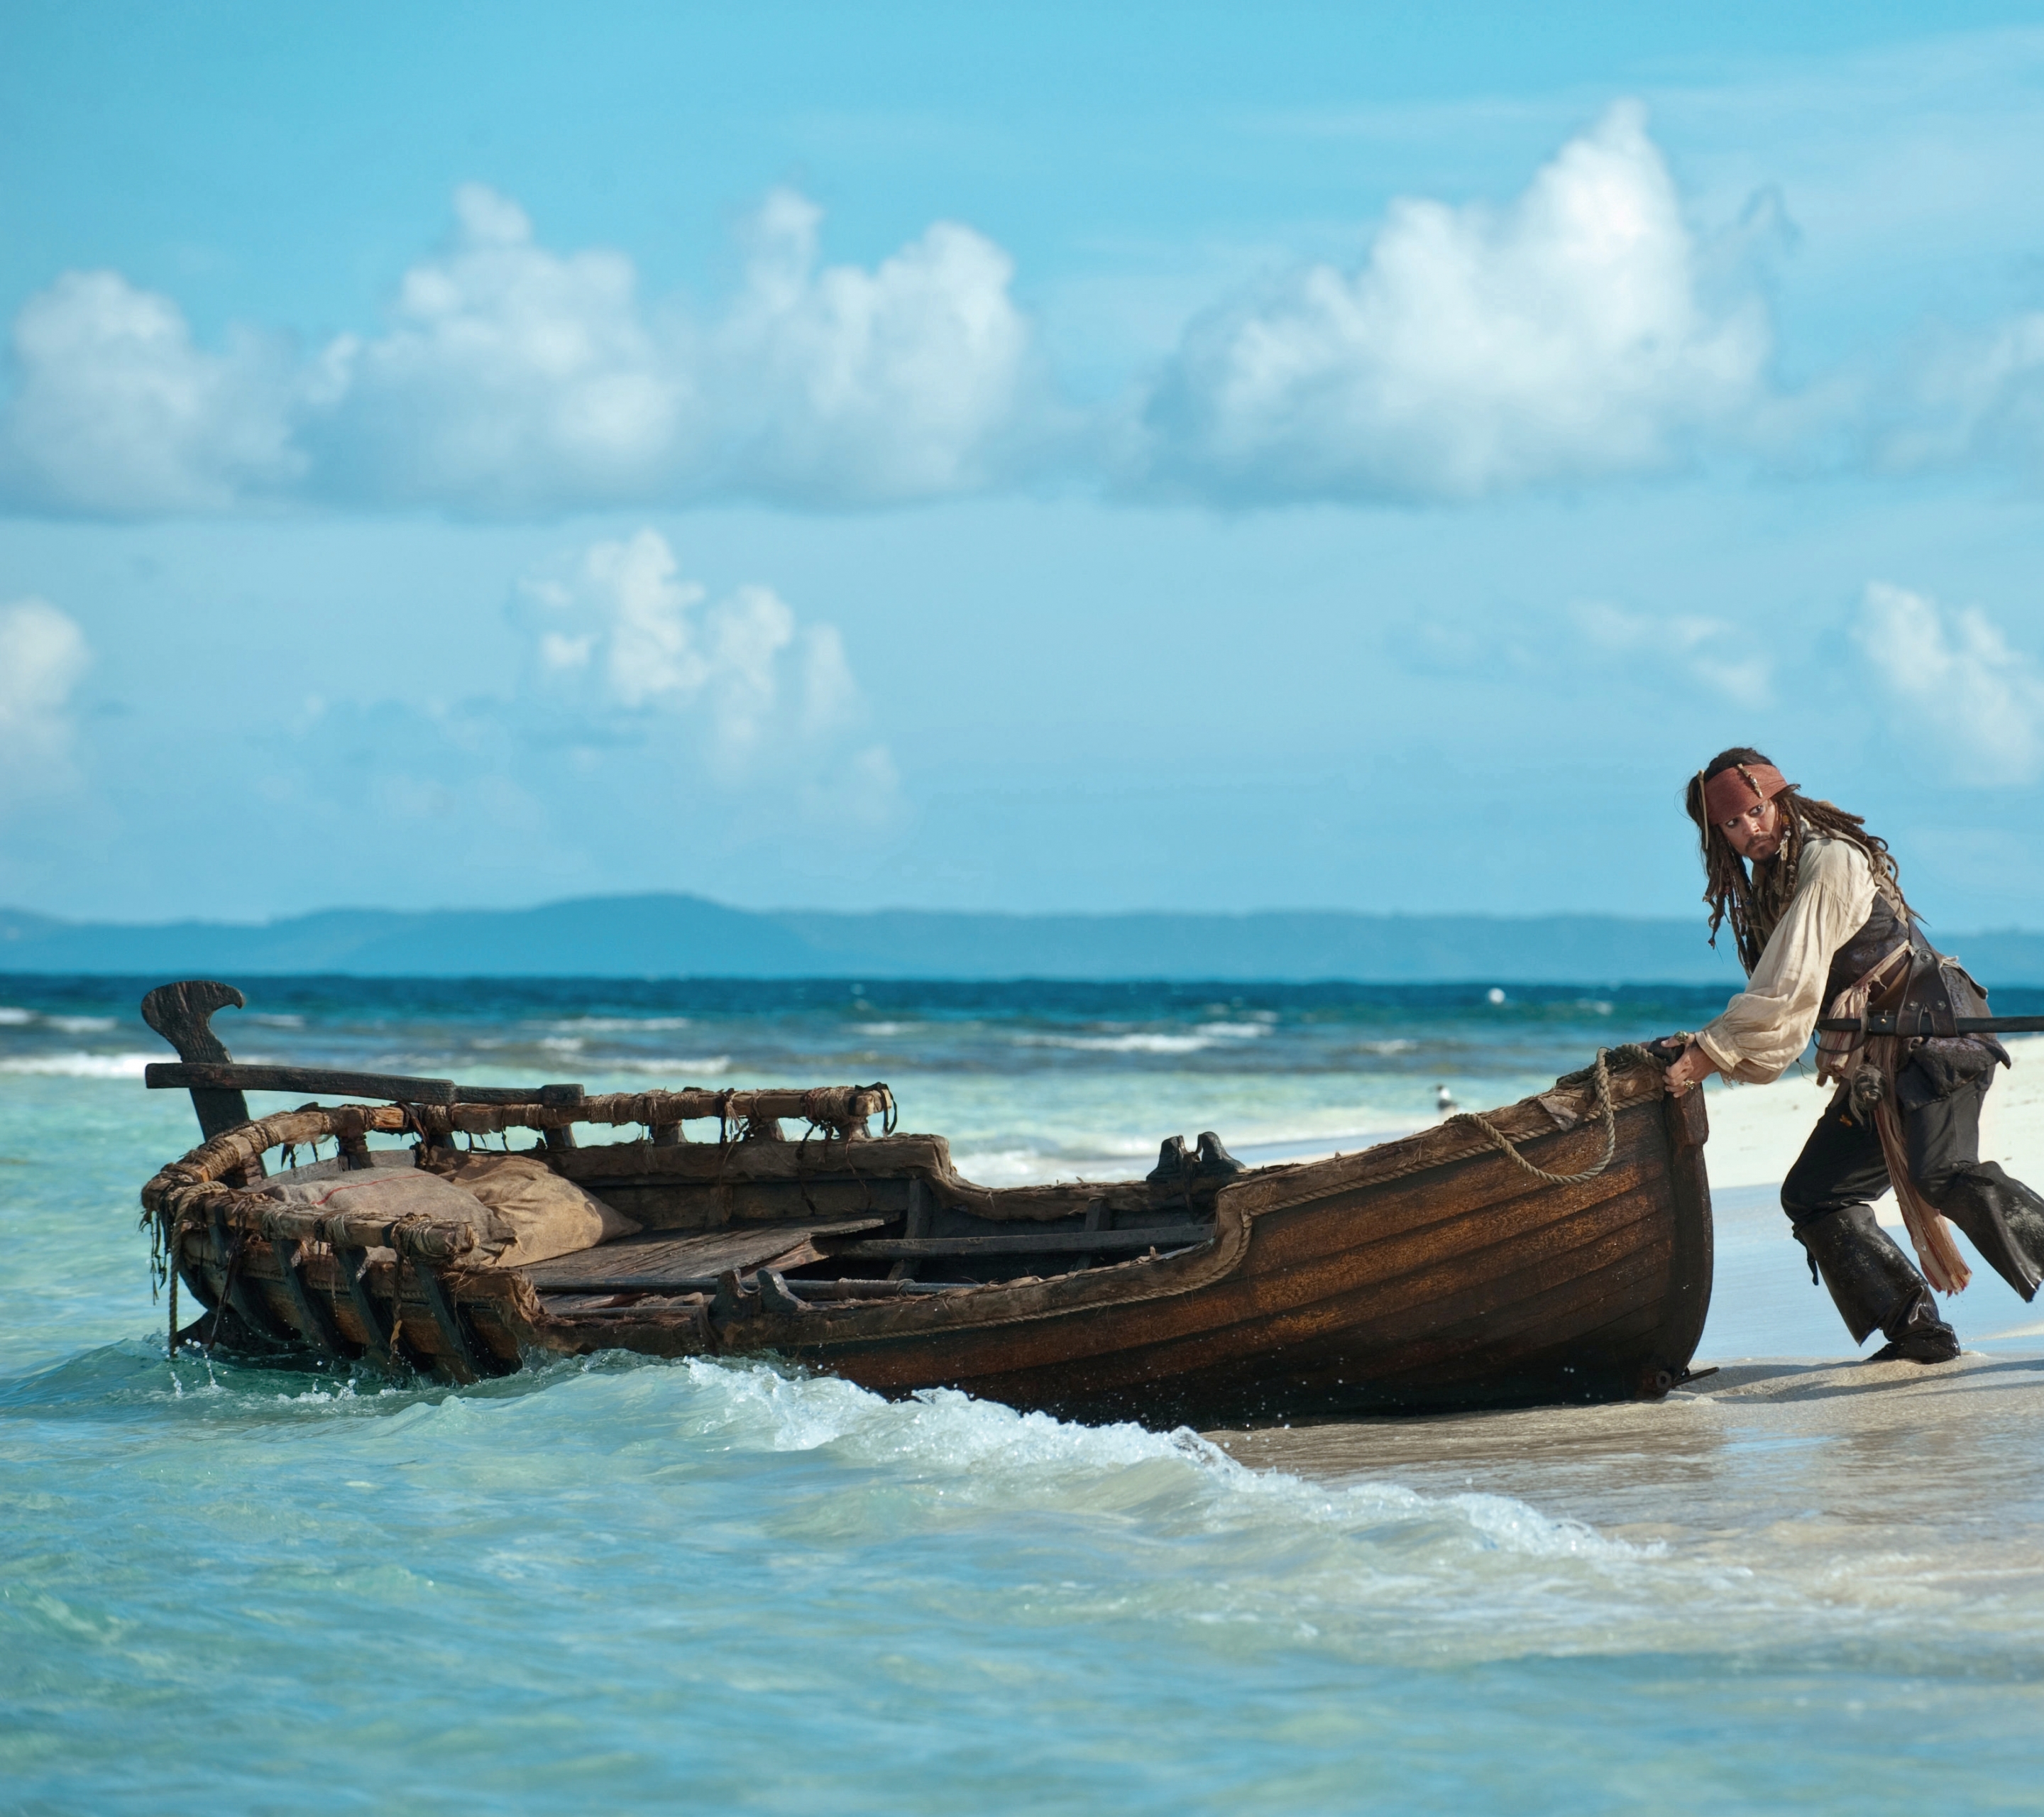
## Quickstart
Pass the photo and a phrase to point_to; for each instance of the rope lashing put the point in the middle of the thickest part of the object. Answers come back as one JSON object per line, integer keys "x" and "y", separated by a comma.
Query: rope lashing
{"x": 1499, "y": 1140}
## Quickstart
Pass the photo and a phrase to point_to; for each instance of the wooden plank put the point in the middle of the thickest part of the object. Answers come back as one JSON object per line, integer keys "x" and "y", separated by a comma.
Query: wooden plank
{"x": 183, "y": 1014}
{"x": 1026, "y": 1242}
{"x": 1098, "y": 1218}
{"x": 393, "y": 1088}
{"x": 704, "y": 1205}
{"x": 1531, "y": 1123}
{"x": 378, "y": 1339}
{"x": 398, "y": 1089}
{"x": 313, "y": 1322}
{"x": 1348, "y": 1249}
{"x": 653, "y": 1257}
{"x": 826, "y": 1292}
{"x": 249, "y": 1301}
{"x": 704, "y": 1163}
{"x": 916, "y": 1223}
{"x": 1360, "y": 1217}
{"x": 456, "y": 1351}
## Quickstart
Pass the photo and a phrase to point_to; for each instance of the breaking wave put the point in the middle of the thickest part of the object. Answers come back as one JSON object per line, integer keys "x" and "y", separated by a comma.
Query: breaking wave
{"x": 81, "y": 1066}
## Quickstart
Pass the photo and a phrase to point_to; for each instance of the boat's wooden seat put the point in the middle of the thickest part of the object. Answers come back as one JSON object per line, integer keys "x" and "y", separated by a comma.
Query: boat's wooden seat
{"x": 657, "y": 1260}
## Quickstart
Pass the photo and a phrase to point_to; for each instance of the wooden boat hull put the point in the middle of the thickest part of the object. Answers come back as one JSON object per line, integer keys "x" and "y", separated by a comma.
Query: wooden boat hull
{"x": 1468, "y": 1284}
{"x": 1434, "y": 1271}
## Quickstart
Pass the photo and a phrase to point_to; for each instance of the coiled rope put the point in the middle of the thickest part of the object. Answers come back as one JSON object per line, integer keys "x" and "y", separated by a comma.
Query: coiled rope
{"x": 1601, "y": 1073}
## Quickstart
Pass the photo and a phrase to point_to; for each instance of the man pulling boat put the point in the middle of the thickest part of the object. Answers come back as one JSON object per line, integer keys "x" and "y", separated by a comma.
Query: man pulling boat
{"x": 1823, "y": 930}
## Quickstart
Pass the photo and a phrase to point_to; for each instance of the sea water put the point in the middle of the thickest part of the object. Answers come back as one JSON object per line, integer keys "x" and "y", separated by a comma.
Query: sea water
{"x": 620, "y": 1583}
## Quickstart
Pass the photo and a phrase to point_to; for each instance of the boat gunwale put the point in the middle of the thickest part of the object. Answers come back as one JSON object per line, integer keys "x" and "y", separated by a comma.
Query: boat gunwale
{"x": 193, "y": 1185}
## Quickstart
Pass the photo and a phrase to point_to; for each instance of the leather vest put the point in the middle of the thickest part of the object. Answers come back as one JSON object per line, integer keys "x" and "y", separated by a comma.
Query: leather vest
{"x": 1879, "y": 935}
{"x": 1929, "y": 981}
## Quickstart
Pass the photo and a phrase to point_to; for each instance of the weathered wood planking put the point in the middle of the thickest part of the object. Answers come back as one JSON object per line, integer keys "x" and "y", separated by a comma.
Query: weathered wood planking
{"x": 706, "y": 1163}
{"x": 1431, "y": 1271}
{"x": 1345, "y": 1319}
{"x": 651, "y": 1257}
{"x": 1026, "y": 1242}
{"x": 740, "y": 1201}
{"x": 395, "y": 1088}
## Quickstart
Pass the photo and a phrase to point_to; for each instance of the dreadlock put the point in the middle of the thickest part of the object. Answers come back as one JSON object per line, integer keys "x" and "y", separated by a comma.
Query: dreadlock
{"x": 1753, "y": 901}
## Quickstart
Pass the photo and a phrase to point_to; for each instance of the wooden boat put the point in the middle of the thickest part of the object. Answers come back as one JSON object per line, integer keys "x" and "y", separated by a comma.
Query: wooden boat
{"x": 1434, "y": 1271}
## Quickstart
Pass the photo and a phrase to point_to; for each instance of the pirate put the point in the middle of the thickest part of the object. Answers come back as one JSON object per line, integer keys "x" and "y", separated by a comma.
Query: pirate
{"x": 1823, "y": 928}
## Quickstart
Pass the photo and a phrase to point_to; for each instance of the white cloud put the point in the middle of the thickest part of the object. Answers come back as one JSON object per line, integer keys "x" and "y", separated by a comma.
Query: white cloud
{"x": 117, "y": 410}
{"x": 511, "y": 378}
{"x": 1972, "y": 398}
{"x": 761, "y": 700}
{"x": 650, "y": 644}
{"x": 1955, "y": 674}
{"x": 899, "y": 382}
{"x": 42, "y": 655}
{"x": 1707, "y": 649}
{"x": 1476, "y": 351}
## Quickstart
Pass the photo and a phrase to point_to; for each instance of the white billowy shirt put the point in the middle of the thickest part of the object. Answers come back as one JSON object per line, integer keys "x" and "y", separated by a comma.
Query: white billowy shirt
{"x": 1768, "y": 1024}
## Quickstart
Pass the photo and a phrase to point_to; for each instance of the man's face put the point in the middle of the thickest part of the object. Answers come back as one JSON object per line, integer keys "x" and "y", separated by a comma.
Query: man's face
{"x": 1755, "y": 834}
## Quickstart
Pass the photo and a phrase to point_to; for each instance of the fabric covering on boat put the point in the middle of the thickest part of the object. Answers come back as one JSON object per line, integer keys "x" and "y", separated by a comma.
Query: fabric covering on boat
{"x": 544, "y": 1214}
{"x": 381, "y": 1160}
{"x": 387, "y": 1193}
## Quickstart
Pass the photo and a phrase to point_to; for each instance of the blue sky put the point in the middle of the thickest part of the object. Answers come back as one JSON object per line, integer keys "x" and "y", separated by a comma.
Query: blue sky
{"x": 1054, "y": 457}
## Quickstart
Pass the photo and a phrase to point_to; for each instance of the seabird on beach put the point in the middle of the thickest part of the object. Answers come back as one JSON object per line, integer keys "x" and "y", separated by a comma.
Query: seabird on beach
{"x": 1444, "y": 1101}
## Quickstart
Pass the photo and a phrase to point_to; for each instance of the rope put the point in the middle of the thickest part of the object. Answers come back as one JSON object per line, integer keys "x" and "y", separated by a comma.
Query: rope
{"x": 226, "y": 1287}
{"x": 1503, "y": 1142}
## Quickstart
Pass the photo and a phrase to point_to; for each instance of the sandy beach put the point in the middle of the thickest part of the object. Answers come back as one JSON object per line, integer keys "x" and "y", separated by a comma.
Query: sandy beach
{"x": 1795, "y": 1477}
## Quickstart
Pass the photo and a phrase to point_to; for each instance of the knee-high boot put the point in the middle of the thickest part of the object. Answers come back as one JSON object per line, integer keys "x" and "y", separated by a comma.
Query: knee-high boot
{"x": 1875, "y": 1286}
{"x": 2002, "y": 1219}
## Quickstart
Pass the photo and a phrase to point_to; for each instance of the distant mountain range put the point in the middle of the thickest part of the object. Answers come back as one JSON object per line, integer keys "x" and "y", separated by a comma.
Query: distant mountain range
{"x": 686, "y": 936}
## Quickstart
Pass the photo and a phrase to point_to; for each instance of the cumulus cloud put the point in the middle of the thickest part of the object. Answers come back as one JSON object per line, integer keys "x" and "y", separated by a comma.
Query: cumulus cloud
{"x": 758, "y": 700}
{"x": 899, "y": 382}
{"x": 510, "y": 378}
{"x": 1957, "y": 675}
{"x": 1706, "y": 649}
{"x": 117, "y": 410}
{"x": 1477, "y": 350}
{"x": 507, "y": 375}
{"x": 42, "y": 655}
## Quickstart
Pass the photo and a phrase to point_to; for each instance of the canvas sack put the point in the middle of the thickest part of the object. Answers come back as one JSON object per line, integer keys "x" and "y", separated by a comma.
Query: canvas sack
{"x": 386, "y": 1193}
{"x": 544, "y": 1214}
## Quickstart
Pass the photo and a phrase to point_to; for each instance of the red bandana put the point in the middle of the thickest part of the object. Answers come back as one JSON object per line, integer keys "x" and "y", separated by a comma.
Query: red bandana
{"x": 1730, "y": 792}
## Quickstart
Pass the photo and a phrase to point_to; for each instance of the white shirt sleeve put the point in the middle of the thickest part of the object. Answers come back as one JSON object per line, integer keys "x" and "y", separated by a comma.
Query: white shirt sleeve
{"x": 1766, "y": 1027}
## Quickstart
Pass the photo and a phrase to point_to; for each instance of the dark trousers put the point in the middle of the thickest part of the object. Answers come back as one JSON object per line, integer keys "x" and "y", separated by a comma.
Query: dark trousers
{"x": 1842, "y": 1164}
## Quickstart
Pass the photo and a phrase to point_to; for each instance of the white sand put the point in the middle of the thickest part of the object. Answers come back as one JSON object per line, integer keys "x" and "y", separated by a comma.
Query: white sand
{"x": 1868, "y": 1489}
{"x": 1792, "y": 1499}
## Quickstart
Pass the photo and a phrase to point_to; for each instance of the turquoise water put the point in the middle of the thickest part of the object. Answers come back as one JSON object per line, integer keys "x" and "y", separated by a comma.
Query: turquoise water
{"x": 625, "y": 1585}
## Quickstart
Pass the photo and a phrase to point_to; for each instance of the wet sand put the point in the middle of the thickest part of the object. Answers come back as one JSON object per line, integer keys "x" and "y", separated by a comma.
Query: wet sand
{"x": 1933, "y": 1476}
{"x": 1861, "y": 1480}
